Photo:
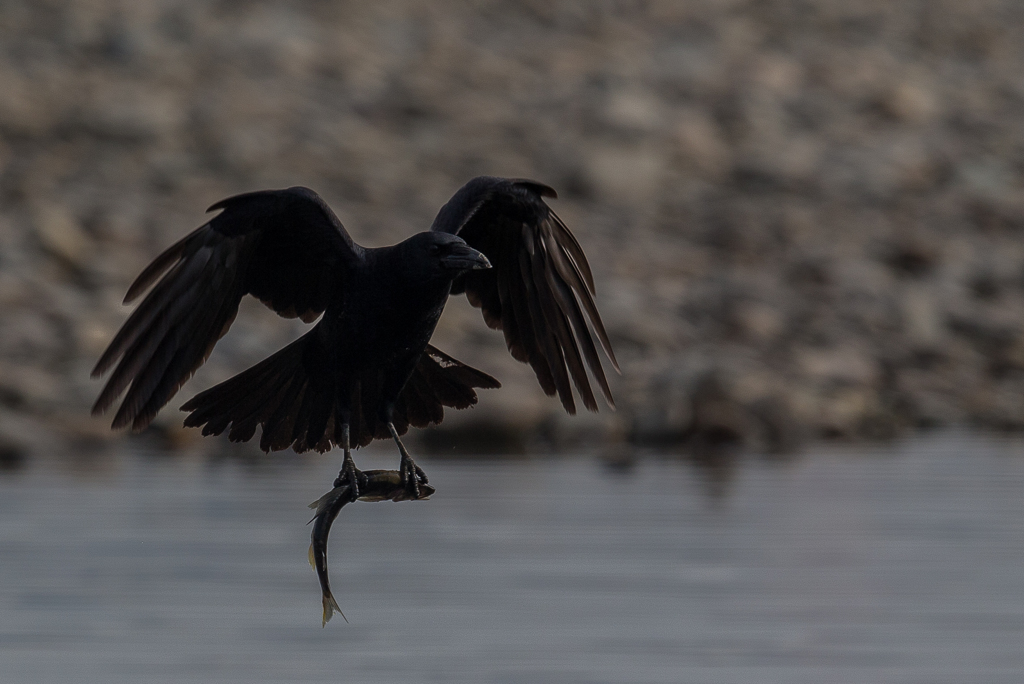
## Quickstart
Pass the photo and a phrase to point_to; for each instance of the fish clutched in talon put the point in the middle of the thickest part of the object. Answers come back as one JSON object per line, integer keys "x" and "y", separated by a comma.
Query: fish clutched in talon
{"x": 365, "y": 370}
{"x": 374, "y": 485}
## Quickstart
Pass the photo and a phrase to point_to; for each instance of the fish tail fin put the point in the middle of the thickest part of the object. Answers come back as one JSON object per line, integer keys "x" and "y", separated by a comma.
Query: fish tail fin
{"x": 330, "y": 607}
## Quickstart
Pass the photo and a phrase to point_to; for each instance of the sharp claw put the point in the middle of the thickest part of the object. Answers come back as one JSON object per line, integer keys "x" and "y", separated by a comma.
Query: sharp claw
{"x": 351, "y": 476}
{"x": 412, "y": 477}
{"x": 409, "y": 480}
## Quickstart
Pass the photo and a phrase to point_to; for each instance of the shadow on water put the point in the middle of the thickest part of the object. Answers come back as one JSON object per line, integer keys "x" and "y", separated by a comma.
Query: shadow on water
{"x": 901, "y": 562}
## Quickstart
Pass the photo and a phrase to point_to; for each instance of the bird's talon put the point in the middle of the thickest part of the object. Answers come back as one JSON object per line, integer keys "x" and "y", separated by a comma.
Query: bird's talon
{"x": 351, "y": 476}
{"x": 412, "y": 477}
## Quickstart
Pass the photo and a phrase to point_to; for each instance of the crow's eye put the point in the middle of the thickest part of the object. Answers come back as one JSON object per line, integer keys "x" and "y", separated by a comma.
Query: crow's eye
{"x": 435, "y": 250}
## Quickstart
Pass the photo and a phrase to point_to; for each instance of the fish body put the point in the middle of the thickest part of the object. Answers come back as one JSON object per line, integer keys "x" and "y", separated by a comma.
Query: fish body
{"x": 374, "y": 485}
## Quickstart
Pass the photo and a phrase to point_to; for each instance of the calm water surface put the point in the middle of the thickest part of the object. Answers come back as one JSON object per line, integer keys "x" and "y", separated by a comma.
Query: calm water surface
{"x": 860, "y": 565}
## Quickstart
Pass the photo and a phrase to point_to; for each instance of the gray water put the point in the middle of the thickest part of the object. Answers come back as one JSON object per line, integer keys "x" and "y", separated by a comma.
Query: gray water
{"x": 902, "y": 563}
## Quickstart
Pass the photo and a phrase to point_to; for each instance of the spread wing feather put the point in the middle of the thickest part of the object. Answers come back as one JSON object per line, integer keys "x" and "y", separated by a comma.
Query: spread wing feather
{"x": 540, "y": 291}
{"x": 284, "y": 247}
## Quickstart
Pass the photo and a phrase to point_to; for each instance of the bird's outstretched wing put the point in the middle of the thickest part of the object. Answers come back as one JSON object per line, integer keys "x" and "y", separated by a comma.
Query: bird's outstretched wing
{"x": 540, "y": 289}
{"x": 285, "y": 247}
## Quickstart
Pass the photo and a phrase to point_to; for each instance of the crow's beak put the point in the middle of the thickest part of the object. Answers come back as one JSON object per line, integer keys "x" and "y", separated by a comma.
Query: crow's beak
{"x": 465, "y": 258}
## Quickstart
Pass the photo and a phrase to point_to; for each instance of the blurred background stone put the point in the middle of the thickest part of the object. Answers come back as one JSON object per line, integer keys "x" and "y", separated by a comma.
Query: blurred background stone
{"x": 804, "y": 218}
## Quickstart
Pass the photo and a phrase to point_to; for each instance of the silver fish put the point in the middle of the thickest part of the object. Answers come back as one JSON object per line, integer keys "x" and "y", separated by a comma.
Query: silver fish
{"x": 374, "y": 485}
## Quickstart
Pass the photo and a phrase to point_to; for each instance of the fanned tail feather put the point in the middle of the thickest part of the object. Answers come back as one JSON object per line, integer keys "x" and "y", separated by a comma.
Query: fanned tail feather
{"x": 293, "y": 406}
{"x": 299, "y": 409}
{"x": 438, "y": 381}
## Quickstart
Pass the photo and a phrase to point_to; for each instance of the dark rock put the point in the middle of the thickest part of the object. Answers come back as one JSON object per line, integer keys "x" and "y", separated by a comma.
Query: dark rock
{"x": 718, "y": 422}
{"x": 910, "y": 259}
{"x": 12, "y": 456}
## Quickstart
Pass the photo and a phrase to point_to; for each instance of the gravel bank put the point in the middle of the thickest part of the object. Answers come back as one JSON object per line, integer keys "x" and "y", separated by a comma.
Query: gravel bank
{"x": 804, "y": 218}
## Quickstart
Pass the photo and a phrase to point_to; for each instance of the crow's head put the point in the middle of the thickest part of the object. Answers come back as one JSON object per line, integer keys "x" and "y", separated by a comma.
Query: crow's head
{"x": 442, "y": 255}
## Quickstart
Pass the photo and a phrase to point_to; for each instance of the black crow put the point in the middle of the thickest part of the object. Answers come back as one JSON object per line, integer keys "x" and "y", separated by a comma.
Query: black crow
{"x": 366, "y": 370}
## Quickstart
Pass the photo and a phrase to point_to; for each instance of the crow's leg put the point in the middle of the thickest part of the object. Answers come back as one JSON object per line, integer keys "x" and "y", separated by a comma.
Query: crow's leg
{"x": 412, "y": 475}
{"x": 349, "y": 474}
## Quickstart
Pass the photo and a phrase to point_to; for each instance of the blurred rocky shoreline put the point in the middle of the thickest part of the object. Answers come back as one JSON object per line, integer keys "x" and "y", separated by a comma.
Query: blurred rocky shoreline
{"x": 804, "y": 218}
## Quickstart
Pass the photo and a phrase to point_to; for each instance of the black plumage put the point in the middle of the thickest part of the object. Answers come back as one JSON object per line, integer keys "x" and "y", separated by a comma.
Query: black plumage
{"x": 365, "y": 370}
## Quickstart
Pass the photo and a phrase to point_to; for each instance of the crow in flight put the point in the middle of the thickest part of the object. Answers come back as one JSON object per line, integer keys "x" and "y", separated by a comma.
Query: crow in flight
{"x": 366, "y": 370}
